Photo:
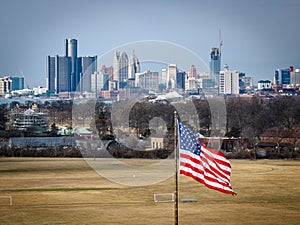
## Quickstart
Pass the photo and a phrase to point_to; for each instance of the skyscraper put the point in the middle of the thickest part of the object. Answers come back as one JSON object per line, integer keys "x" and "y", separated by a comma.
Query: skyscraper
{"x": 229, "y": 82}
{"x": 180, "y": 80}
{"x": 99, "y": 82}
{"x": 17, "y": 83}
{"x": 295, "y": 76}
{"x": 71, "y": 51}
{"x": 5, "y": 85}
{"x": 215, "y": 61}
{"x": 164, "y": 77}
{"x": 147, "y": 80}
{"x": 193, "y": 72}
{"x": 88, "y": 65}
{"x": 133, "y": 66}
{"x": 120, "y": 68}
{"x": 171, "y": 76}
{"x": 283, "y": 76}
{"x": 50, "y": 65}
{"x": 63, "y": 71}
{"x": 109, "y": 70}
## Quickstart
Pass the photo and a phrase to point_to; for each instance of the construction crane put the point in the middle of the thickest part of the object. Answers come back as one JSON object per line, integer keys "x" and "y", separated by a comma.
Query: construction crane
{"x": 220, "y": 41}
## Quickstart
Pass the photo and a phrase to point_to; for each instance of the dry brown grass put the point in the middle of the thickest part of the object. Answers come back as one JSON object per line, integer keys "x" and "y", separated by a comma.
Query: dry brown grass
{"x": 68, "y": 191}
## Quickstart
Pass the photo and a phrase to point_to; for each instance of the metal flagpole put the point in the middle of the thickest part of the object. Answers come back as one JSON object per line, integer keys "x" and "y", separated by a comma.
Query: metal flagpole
{"x": 176, "y": 168}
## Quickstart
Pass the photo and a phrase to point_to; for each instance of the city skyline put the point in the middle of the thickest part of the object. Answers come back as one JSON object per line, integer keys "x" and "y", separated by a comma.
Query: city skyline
{"x": 258, "y": 37}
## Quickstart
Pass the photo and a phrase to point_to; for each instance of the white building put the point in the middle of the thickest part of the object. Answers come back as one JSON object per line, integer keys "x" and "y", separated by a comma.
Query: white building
{"x": 164, "y": 76}
{"x": 147, "y": 80}
{"x": 39, "y": 90}
{"x": 191, "y": 83}
{"x": 157, "y": 143}
{"x": 5, "y": 85}
{"x": 228, "y": 82}
{"x": 295, "y": 77}
{"x": 171, "y": 76}
{"x": 133, "y": 66}
{"x": 22, "y": 120}
{"x": 23, "y": 92}
{"x": 120, "y": 68}
{"x": 264, "y": 84}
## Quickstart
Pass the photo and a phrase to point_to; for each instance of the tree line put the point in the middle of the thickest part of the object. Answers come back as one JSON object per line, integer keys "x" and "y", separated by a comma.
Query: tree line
{"x": 245, "y": 118}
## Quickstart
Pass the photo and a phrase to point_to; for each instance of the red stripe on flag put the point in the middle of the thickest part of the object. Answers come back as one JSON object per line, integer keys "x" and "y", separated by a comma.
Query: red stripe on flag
{"x": 202, "y": 172}
{"x": 207, "y": 185}
{"x": 215, "y": 172}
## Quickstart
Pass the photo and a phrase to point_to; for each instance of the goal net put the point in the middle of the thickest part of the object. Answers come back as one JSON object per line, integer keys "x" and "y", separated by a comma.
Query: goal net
{"x": 166, "y": 197}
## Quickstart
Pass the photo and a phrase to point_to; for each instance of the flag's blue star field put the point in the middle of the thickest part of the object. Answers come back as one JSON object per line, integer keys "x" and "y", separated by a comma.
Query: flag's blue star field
{"x": 188, "y": 139}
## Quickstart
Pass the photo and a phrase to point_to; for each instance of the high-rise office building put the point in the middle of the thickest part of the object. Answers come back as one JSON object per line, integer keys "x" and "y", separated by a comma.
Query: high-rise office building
{"x": 193, "y": 72}
{"x": 191, "y": 83}
{"x": 109, "y": 70}
{"x": 71, "y": 51}
{"x": 133, "y": 66}
{"x": 99, "y": 82}
{"x": 164, "y": 77}
{"x": 245, "y": 83}
{"x": 88, "y": 65}
{"x": 51, "y": 77}
{"x": 215, "y": 62}
{"x": 212, "y": 83}
{"x": 283, "y": 76}
{"x": 295, "y": 77}
{"x": 181, "y": 78}
{"x": 120, "y": 68}
{"x": 17, "y": 83}
{"x": 229, "y": 82}
{"x": 5, "y": 85}
{"x": 171, "y": 76}
{"x": 63, "y": 71}
{"x": 147, "y": 80}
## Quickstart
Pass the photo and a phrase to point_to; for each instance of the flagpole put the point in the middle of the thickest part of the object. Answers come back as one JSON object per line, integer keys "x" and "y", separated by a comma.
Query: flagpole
{"x": 176, "y": 168}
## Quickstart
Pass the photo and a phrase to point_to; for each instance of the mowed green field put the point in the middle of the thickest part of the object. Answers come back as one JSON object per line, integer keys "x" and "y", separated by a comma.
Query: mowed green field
{"x": 68, "y": 191}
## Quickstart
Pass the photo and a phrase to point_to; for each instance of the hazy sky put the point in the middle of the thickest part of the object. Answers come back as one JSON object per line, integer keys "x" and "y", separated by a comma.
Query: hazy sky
{"x": 259, "y": 36}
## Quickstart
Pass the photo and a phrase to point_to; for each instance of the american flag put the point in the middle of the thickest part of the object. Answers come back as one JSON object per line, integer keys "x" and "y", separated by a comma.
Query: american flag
{"x": 205, "y": 165}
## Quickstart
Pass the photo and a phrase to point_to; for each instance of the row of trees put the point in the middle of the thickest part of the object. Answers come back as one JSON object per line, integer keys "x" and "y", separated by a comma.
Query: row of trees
{"x": 252, "y": 117}
{"x": 256, "y": 115}
{"x": 245, "y": 118}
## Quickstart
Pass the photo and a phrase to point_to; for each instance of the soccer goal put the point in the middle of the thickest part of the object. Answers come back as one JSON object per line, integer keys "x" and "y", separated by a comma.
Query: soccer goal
{"x": 10, "y": 198}
{"x": 166, "y": 197}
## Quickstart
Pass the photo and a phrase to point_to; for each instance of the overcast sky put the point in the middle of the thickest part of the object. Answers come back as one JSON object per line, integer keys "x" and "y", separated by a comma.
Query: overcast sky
{"x": 259, "y": 36}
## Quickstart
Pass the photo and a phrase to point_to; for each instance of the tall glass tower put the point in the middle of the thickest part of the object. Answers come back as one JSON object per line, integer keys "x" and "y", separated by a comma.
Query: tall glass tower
{"x": 215, "y": 64}
{"x": 215, "y": 61}
{"x": 71, "y": 51}
{"x": 51, "y": 86}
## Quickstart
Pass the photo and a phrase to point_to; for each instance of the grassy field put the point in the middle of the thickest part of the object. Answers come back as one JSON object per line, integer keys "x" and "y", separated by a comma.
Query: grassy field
{"x": 68, "y": 191}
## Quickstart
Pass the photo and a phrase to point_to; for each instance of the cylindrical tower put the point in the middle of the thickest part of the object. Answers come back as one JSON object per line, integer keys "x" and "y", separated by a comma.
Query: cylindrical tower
{"x": 71, "y": 48}
{"x": 71, "y": 51}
